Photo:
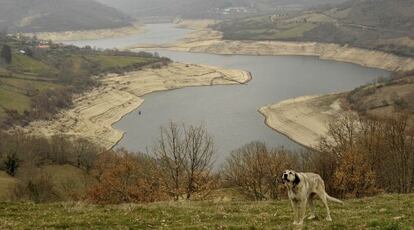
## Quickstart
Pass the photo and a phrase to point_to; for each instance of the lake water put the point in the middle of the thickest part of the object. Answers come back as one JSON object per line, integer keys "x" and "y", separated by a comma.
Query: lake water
{"x": 230, "y": 112}
{"x": 154, "y": 34}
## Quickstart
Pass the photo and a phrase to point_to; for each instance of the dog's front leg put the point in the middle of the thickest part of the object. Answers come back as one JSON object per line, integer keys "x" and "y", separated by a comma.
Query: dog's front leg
{"x": 295, "y": 208}
{"x": 302, "y": 210}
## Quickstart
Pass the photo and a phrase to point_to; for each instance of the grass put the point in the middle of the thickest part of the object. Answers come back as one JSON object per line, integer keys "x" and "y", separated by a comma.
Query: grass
{"x": 23, "y": 83}
{"x": 294, "y": 32}
{"x": 11, "y": 98}
{"x": 381, "y": 212}
{"x": 13, "y": 93}
{"x": 6, "y": 184}
{"x": 109, "y": 62}
{"x": 24, "y": 64}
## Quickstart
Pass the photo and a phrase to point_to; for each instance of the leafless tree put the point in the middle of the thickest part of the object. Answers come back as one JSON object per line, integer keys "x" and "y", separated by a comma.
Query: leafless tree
{"x": 185, "y": 157}
{"x": 170, "y": 153}
{"x": 256, "y": 169}
{"x": 199, "y": 153}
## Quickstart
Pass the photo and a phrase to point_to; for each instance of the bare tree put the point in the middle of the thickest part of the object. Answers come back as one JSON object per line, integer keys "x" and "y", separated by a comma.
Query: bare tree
{"x": 185, "y": 157}
{"x": 199, "y": 153}
{"x": 170, "y": 152}
{"x": 256, "y": 169}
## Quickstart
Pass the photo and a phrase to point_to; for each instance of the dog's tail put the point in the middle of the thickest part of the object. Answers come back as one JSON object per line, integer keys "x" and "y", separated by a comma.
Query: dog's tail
{"x": 333, "y": 199}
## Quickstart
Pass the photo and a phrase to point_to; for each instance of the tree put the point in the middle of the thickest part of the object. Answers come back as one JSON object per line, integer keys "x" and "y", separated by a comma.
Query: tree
{"x": 6, "y": 54}
{"x": 185, "y": 157}
{"x": 169, "y": 152}
{"x": 256, "y": 169}
{"x": 11, "y": 164}
{"x": 125, "y": 177}
{"x": 354, "y": 176}
{"x": 199, "y": 153}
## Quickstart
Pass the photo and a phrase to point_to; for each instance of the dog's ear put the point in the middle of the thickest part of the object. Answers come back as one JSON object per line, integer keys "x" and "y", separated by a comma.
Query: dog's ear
{"x": 297, "y": 179}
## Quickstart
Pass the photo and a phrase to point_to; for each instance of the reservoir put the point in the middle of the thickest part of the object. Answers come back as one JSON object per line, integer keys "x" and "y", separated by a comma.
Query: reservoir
{"x": 229, "y": 113}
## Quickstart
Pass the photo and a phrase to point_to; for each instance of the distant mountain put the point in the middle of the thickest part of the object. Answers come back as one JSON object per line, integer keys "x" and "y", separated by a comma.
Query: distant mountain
{"x": 58, "y": 15}
{"x": 204, "y": 8}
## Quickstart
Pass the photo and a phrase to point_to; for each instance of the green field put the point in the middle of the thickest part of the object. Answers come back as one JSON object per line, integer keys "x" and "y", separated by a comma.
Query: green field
{"x": 381, "y": 212}
{"x": 24, "y": 64}
{"x": 13, "y": 93}
{"x": 57, "y": 67}
{"x": 119, "y": 61}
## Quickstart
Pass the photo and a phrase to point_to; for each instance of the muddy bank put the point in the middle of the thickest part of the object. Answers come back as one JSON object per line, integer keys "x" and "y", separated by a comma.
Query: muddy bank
{"x": 135, "y": 28}
{"x": 94, "y": 113}
{"x": 304, "y": 119}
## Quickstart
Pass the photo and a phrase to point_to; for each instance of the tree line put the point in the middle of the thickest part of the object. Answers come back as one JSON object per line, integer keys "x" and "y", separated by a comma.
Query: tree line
{"x": 360, "y": 156}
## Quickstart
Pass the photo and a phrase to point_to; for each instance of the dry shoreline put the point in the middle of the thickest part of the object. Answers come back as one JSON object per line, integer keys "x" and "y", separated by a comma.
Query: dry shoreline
{"x": 305, "y": 119}
{"x": 94, "y": 113}
{"x": 205, "y": 40}
{"x": 135, "y": 28}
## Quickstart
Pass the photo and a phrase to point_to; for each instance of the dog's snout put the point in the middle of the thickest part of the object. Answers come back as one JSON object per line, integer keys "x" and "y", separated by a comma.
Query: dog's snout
{"x": 285, "y": 176}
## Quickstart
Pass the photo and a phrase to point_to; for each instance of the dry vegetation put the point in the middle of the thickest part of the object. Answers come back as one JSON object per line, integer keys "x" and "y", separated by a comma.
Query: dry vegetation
{"x": 359, "y": 158}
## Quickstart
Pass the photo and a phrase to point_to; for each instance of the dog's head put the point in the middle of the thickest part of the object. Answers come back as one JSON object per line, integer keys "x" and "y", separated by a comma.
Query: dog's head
{"x": 290, "y": 177}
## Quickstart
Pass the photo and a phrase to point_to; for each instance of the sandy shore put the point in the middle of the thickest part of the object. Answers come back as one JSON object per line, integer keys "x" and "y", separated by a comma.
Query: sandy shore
{"x": 94, "y": 113}
{"x": 135, "y": 28}
{"x": 205, "y": 40}
{"x": 304, "y": 119}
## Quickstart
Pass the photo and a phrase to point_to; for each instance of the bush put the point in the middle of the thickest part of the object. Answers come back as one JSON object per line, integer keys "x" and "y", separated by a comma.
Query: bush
{"x": 257, "y": 169}
{"x": 124, "y": 177}
{"x": 35, "y": 185}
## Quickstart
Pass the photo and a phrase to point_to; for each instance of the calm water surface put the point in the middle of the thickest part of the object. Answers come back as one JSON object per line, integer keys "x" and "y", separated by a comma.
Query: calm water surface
{"x": 154, "y": 34}
{"x": 230, "y": 112}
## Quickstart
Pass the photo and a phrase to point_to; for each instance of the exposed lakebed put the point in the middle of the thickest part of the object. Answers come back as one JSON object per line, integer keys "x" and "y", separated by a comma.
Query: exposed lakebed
{"x": 230, "y": 112}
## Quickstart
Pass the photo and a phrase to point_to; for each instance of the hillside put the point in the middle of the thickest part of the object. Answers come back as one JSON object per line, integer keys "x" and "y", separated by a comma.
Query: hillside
{"x": 41, "y": 77}
{"x": 58, "y": 15}
{"x": 207, "y": 9}
{"x": 385, "y": 97}
{"x": 381, "y": 212}
{"x": 373, "y": 24}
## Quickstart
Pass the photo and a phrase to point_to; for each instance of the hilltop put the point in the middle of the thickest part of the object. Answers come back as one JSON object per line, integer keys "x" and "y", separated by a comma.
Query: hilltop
{"x": 207, "y": 9}
{"x": 372, "y": 24}
{"x": 58, "y": 15}
{"x": 381, "y": 212}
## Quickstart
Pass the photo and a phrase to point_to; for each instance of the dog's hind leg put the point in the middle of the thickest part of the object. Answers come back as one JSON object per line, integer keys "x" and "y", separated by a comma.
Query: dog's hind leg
{"x": 325, "y": 202}
{"x": 312, "y": 208}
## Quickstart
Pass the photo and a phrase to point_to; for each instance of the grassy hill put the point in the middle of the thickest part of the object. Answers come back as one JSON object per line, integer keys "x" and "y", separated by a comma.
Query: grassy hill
{"x": 381, "y": 212}
{"x": 205, "y": 9}
{"x": 373, "y": 24}
{"x": 384, "y": 98}
{"x": 58, "y": 15}
{"x": 53, "y": 71}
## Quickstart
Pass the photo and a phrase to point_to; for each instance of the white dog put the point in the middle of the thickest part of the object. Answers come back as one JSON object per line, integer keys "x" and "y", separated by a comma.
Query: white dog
{"x": 303, "y": 188}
